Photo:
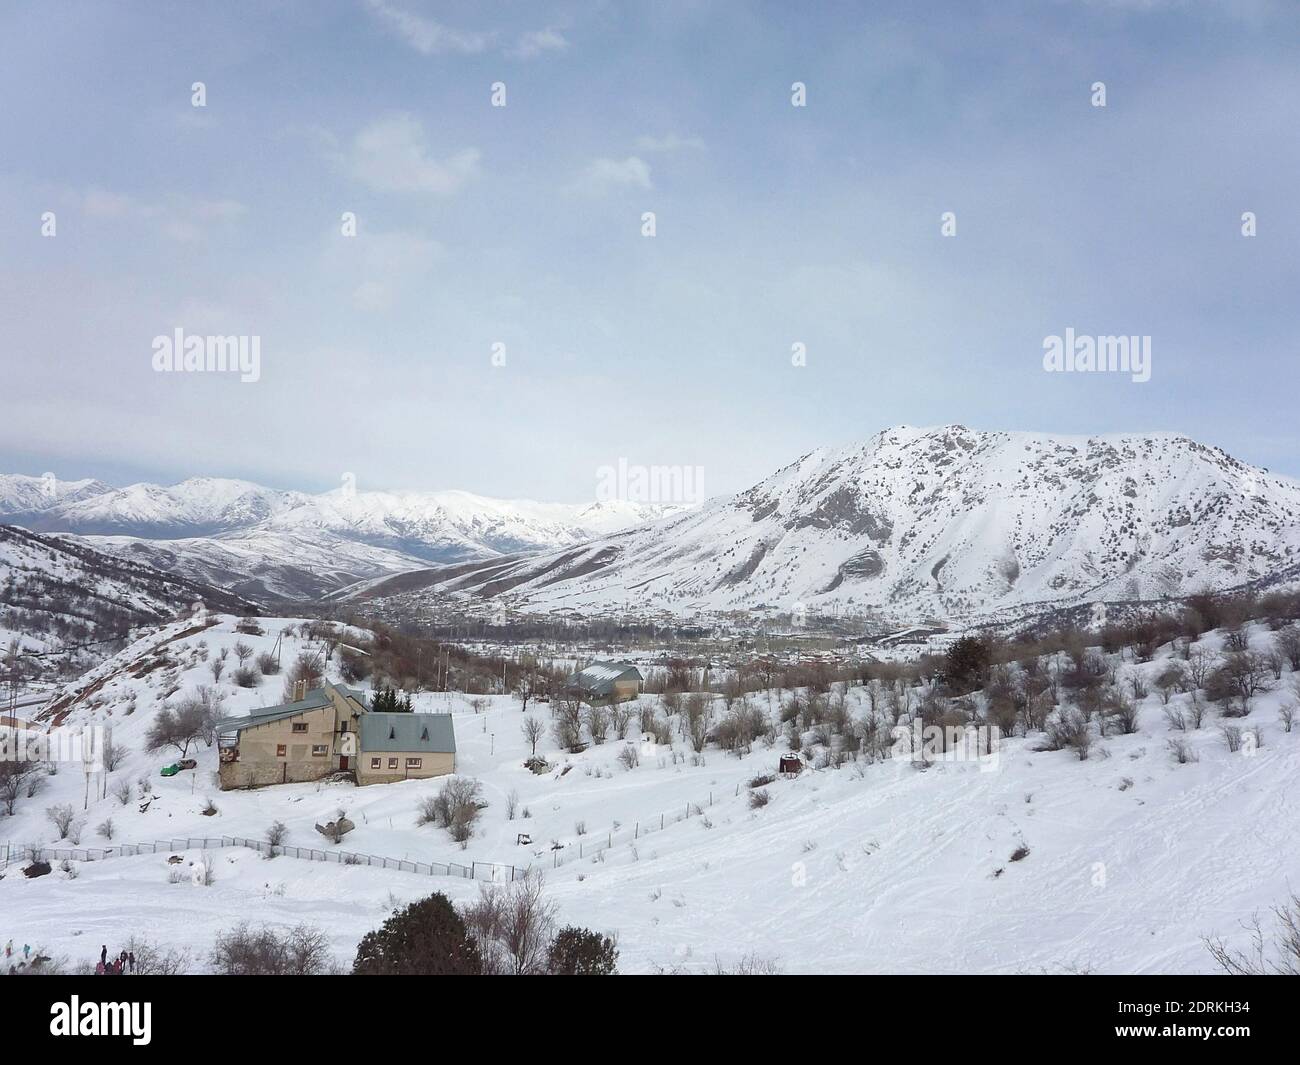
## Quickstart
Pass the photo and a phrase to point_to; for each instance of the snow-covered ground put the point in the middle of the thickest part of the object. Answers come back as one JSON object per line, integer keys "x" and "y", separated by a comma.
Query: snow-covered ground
{"x": 1132, "y": 858}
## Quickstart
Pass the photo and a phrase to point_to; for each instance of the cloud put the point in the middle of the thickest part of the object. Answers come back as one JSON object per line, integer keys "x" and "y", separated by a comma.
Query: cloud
{"x": 380, "y": 269}
{"x": 430, "y": 37}
{"x": 670, "y": 142}
{"x": 390, "y": 156}
{"x": 535, "y": 42}
{"x": 607, "y": 175}
{"x": 183, "y": 218}
{"x": 98, "y": 203}
{"x": 373, "y": 296}
{"x": 425, "y": 35}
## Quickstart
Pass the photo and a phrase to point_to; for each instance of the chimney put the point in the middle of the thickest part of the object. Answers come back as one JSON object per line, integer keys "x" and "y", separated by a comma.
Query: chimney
{"x": 299, "y": 690}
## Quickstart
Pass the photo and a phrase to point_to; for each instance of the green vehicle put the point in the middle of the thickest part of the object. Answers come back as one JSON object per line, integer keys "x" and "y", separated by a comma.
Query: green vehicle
{"x": 170, "y": 770}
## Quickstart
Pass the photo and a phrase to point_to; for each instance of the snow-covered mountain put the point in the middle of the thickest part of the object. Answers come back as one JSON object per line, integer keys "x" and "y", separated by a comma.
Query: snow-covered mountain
{"x": 268, "y": 543}
{"x": 948, "y": 521}
{"x": 56, "y": 594}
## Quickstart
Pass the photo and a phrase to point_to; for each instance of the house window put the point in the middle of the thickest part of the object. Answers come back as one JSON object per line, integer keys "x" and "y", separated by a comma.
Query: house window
{"x": 413, "y": 763}
{"x": 319, "y": 750}
{"x": 300, "y": 726}
{"x": 392, "y": 763}
{"x": 374, "y": 763}
{"x": 281, "y": 750}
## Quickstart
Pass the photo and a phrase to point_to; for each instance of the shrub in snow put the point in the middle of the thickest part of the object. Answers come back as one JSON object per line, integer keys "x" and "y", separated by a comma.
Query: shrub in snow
{"x": 245, "y": 951}
{"x": 247, "y": 677}
{"x": 456, "y": 807}
{"x": 61, "y": 816}
{"x": 427, "y": 938}
{"x": 582, "y": 952}
{"x": 1279, "y": 958}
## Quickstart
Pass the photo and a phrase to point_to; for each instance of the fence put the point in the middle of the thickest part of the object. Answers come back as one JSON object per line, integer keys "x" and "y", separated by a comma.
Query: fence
{"x": 496, "y": 872}
{"x": 587, "y": 848}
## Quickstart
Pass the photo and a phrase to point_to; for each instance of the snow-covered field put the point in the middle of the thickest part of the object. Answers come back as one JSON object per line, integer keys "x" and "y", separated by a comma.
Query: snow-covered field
{"x": 1132, "y": 858}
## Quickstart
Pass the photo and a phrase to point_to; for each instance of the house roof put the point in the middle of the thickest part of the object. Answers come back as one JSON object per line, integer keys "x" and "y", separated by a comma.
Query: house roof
{"x": 314, "y": 700}
{"x": 408, "y": 733}
{"x": 599, "y": 677}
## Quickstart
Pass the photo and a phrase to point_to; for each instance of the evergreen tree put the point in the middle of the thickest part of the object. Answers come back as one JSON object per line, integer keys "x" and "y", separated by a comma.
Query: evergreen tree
{"x": 428, "y": 938}
{"x": 967, "y": 663}
{"x": 582, "y": 952}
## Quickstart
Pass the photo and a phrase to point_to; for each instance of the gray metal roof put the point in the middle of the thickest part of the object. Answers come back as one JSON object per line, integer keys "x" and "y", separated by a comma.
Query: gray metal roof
{"x": 599, "y": 677}
{"x": 262, "y": 715}
{"x": 407, "y": 733}
{"x": 351, "y": 693}
{"x": 314, "y": 700}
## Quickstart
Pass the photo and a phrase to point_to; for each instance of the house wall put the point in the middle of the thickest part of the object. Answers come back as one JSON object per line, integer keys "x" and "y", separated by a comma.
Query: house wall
{"x": 622, "y": 691}
{"x": 259, "y": 764}
{"x": 431, "y": 765}
{"x": 262, "y": 774}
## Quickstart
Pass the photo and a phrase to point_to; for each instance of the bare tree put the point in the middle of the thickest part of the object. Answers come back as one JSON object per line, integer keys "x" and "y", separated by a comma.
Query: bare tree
{"x": 176, "y": 728}
{"x": 513, "y": 925}
{"x": 567, "y": 726}
{"x": 1287, "y": 641}
{"x": 533, "y": 729}
{"x": 598, "y": 723}
{"x": 275, "y": 837}
{"x": 527, "y": 684}
{"x": 1283, "y": 959}
{"x": 15, "y": 779}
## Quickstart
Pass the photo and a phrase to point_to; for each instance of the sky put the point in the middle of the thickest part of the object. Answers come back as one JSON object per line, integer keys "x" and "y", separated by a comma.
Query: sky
{"x": 501, "y": 323}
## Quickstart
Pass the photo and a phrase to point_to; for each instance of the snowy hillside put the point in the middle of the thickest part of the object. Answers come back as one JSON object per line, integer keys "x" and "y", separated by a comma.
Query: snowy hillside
{"x": 947, "y": 521}
{"x": 56, "y": 593}
{"x": 1031, "y": 861}
{"x": 275, "y": 544}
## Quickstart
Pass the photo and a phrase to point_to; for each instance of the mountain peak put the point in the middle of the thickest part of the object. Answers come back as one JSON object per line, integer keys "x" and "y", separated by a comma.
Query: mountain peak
{"x": 946, "y": 520}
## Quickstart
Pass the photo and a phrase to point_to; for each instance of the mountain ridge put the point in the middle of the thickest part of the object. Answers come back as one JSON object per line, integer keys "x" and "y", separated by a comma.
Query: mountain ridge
{"x": 282, "y": 544}
{"x": 945, "y": 520}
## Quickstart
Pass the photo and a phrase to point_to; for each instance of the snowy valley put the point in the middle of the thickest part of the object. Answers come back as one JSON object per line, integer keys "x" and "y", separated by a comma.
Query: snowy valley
{"x": 696, "y": 854}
